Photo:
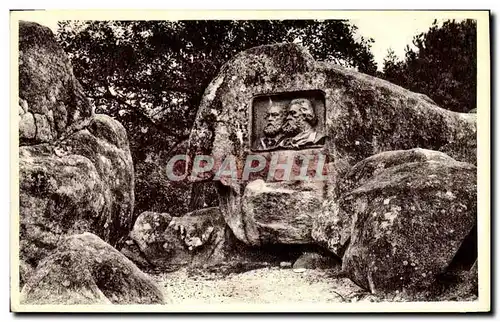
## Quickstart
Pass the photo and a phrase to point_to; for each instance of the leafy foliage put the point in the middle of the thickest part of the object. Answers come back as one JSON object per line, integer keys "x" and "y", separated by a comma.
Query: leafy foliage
{"x": 442, "y": 65}
{"x": 151, "y": 75}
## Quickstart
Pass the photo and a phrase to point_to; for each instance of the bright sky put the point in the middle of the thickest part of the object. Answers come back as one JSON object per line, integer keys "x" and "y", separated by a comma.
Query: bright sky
{"x": 394, "y": 32}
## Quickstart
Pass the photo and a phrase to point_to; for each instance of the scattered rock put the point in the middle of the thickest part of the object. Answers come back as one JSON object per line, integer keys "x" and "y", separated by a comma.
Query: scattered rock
{"x": 285, "y": 265}
{"x": 409, "y": 221}
{"x": 86, "y": 270}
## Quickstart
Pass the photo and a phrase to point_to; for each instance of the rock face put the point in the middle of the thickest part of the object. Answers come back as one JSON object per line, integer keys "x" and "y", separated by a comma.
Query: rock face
{"x": 86, "y": 270}
{"x": 79, "y": 176}
{"x": 158, "y": 243}
{"x": 409, "y": 221}
{"x": 332, "y": 227}
{"x": 276, "y": 213}
{"x": 363, "y": 116}
{"x": 198, "y": 238}
{"x": 51, "y": 100}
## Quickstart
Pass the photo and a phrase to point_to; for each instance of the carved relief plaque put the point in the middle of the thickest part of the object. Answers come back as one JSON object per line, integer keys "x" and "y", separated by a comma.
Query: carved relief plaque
{"x": 293, "y": 120}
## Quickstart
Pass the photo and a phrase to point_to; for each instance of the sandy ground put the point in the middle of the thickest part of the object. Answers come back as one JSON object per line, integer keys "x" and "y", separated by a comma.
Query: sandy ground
{"x": 266, "y": 285}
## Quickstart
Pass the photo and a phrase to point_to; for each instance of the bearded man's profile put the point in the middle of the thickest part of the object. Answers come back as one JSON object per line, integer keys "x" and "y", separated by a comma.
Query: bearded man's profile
{"x": 299, "y": 126}
{"x": 273, "y": 134}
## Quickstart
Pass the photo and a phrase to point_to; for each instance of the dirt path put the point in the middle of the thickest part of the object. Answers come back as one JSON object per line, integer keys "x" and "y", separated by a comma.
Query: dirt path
{"x": 260, "y": 286}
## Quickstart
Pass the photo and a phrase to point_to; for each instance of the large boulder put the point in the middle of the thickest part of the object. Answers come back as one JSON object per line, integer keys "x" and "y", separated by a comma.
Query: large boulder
{"x": 86, "y": 270}
{"x": 409, "y": 221}
{"x": 360, "y": 115}
{"x": 197, "y": 238}
{"x": 51, "y": 100}
{"x": 80, "y": 176}
{"x": 332, "y": 227}
{"x": 156, "y": 241}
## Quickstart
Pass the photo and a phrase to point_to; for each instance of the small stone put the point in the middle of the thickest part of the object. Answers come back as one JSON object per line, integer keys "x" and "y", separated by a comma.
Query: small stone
{"x": 299, "y": 270}
{"x": 66, "y": 283}
{"x": 312, "y": 260}
{"x": 285, "y": 264}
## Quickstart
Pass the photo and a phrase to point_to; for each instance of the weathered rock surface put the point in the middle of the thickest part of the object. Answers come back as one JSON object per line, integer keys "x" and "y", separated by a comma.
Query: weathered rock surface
{"x": 332, "y": 227}
{"x": 200, "y": 241}
{"x": 371, "y": 166}
{"x": 51, "y": 100}
{"x": 25, "y": 272}
{"x": 364, "y": 116}
{"x": 311, "y": 260}
{"x": 460, "y": 285}
{"x": 277, "y": 213}
{"x": 80, "y": 176}
{"x": 464, "y": 150}
{"x": 158, "y": 243}
{"x": 198, "y": 238}
{"x": 86, "y": 270}
{"x": 409, "y": 221}
{"x": 84, "y": 183}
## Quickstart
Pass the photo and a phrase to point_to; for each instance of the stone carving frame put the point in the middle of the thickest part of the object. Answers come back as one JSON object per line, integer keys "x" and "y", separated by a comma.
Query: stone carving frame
{"x": 259, "y": 107}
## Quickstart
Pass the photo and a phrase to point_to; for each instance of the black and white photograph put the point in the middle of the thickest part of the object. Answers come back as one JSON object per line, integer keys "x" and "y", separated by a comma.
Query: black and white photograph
{"x": 243, "y": 161}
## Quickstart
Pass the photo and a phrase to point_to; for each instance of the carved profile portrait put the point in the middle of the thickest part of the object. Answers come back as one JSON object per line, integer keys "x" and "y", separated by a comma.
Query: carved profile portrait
{"x": 288, "y": 121}
{"x": 299, "y": 129}
{"x": 273, "y": 132}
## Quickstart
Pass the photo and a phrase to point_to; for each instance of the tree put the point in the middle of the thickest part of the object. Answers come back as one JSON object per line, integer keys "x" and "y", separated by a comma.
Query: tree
{"x": 151, "y": 75}
{"x": 393, "y": 67}
{"x": 441, "y": 65}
